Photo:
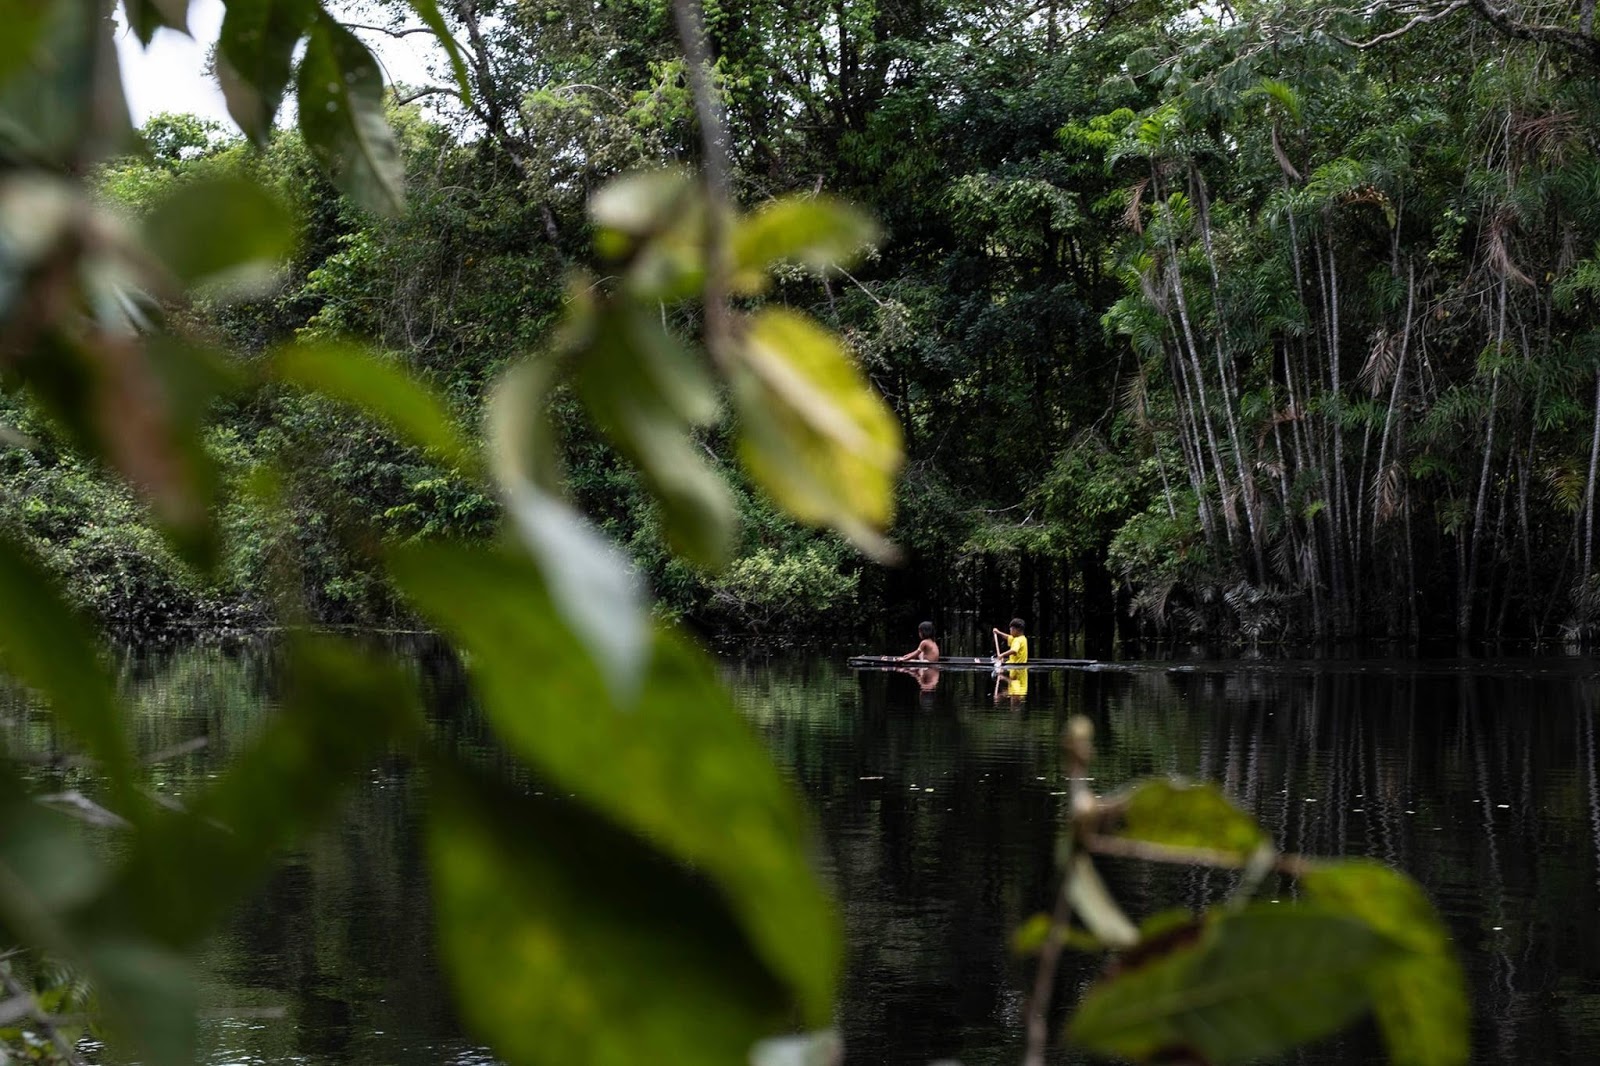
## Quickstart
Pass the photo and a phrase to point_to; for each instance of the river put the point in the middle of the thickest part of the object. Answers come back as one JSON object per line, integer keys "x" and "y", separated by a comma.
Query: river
{"x": 937, "y": 810}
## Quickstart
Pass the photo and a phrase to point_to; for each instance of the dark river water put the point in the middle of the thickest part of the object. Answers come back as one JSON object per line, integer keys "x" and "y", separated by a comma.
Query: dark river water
{"x": 937, "y": 810}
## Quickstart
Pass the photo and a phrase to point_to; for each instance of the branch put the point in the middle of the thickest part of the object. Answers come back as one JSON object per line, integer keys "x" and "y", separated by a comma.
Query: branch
{"x": 869, "y": 292}
{"x": 715, "y": 172}
{"x": 432, "y": 90}
{"x": 185, "y": 747}
{"x": 1044, "y": 979}
{"x": 1585, "y": 46}
{"x": 386, "y": 30}
{"x": 1419, "y": 20}
{"x": 583, "y": 86}
{"x": 79, "y": 806}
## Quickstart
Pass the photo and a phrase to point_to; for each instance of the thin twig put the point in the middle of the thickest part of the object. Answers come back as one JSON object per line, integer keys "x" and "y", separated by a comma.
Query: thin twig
{"x": 432, "y": 90}
{"x": 1044, "y": 980}
{"x": 388, "y": 31}
{"x": 870, "y": 294}
{"x": 1078, "y": 741}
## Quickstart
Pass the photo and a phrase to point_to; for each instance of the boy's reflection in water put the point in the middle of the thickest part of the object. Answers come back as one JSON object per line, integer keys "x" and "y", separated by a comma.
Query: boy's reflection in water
{"x": 927, "y": 680}
{"x": 1011, "y": 684}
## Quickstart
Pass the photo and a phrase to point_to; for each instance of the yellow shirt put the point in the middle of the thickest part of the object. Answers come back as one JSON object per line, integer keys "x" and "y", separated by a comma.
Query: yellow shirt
{"x": 1017, "y": 683}
{"x": 1019, "y": 649}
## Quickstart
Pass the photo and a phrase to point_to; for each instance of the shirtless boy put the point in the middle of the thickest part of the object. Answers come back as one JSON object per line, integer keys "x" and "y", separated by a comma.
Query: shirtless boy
{"x": 928, "y": 650}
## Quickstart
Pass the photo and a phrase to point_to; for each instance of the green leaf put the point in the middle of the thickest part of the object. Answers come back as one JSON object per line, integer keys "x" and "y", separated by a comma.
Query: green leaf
{"x": 824, "y": 1048}
{"x": 255, "y": 55}
{"x": 141, "y": 407}
{"x": 148, "y": 16}
{"x": 149, "y": 999}
{"x": 65, "y": 108}
{"x": 50, "y": 649}
{"x": 1095, "y": 905}
{"x": 223, "y": 232}
{"x": 571, "y": 941}
{"x": 1420, "y": 997}
{"x": 428, "y": 12}
{"x": 680, "y": 766}
{"x": 341, "y": 710}
{"x": 24, "y": 21}
{"x": 48, "y": 871}
{"x": 36, "y": 211}
{"x": 1165, "y": 924}
{"x": 814, "y": 433}
{"x": 341, "y": 116}
{"x": 1031, "y": 935}
{"x": 816, "y": 232}
{"x": 590, "y": 580}
{"x": 645, "y": 391}
{"x": 379, "y": 388}
{"x": 1186, "y": 815}
{"x": 653, "y": 223}
{"x": 47, "y": 867}
{"x": 166, "y": 456}
{"x": 517, "y": 431}
{"x": 1257, "y": 982}
{"x": 643, "y": 202}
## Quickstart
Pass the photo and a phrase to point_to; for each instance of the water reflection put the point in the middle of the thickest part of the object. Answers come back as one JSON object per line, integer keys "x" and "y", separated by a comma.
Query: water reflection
{"x": 1482, "y": 783}
{"x": 937, "y": 794}
{"x": 333, "y": 960}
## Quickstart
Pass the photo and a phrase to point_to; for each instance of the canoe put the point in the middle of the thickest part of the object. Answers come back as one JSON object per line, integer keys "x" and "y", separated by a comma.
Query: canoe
{"x": 958, "y": 662}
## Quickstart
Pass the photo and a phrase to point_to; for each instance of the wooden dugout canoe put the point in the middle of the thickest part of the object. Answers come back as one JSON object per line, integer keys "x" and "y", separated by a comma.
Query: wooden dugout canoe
{"x": 963, "y": 662}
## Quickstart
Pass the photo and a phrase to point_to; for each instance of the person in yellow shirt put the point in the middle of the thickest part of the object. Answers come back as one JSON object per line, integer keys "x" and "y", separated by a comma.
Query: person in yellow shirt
{"x": 1012, "y": 683}
{"x": 1016, "y": 652}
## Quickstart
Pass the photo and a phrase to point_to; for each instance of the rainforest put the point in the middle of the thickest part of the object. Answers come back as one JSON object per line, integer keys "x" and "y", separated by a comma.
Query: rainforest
{"x": 1249, "y": 323}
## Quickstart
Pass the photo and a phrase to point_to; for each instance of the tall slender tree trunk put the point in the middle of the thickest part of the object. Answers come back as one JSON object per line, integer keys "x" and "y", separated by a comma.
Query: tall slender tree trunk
{"x": 1224, "y": 488}
{"x": 1338, "y": 519}
{"x": 1394, "y": 395}
{"x": 1225, "y": 379}
{"x": 1464, "y": 608}
{"x": 1587, "y": 517}
{"x": 1193, "y": 446}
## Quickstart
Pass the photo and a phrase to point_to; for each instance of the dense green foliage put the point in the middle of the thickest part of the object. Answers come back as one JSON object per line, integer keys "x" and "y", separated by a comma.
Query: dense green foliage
{"x": 1225, "y": 326}
{"x": 185, "y": 331}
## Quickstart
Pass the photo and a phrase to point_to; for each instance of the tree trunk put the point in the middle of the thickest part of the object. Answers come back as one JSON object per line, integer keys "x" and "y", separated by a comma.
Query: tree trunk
{"x": 1464, "y": 608}
{"x": 1099, "y": 606}
{"x": 1230, "y": 392}
{"x": 1229, "y": 517}
{"x": 1587, "y": 517}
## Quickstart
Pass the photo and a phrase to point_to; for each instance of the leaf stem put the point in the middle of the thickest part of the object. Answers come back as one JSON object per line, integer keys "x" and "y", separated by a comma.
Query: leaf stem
{"x": 1078, "y": 741}
{"x": 714, "y": 173}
